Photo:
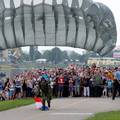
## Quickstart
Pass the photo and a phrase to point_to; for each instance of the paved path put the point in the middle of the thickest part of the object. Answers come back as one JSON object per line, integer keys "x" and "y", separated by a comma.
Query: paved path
{"x": 63, "y": 109}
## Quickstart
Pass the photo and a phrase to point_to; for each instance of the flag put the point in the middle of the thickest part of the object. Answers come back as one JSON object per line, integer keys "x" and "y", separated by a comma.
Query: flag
{"x": 38, "y": 103}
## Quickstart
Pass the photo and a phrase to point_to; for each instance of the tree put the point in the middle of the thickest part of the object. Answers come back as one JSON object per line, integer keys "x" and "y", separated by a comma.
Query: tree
{"x": 34, "y": 53}
{"x": 74, "y": 56}
{"x": 24, "y": 57}
{"x": 47, "y": 55}
{"x": 37, "y": 55}
{"x": 65, "y": 55}
{"x": 84, "y": 58}
{"x": 110, "y": 54}
{"x": 57, "y": 55}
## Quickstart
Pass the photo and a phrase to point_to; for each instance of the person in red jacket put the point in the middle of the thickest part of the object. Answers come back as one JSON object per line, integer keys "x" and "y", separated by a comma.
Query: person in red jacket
{"x": 60, "y": 86}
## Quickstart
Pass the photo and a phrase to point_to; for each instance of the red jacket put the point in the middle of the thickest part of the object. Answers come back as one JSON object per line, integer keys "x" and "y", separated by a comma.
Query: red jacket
{"x": 60, "y": 80}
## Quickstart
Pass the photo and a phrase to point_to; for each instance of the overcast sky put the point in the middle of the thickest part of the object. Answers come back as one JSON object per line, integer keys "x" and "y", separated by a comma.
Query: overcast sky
{"x": 112, "y": 4}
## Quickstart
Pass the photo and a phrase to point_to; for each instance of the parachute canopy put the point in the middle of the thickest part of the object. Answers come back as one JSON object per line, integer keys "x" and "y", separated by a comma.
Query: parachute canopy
{"x": 75, "y": 23}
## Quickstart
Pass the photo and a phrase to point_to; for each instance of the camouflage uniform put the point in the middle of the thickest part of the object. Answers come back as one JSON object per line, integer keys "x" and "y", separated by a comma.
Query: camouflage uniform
{"x": 46, "y": 92}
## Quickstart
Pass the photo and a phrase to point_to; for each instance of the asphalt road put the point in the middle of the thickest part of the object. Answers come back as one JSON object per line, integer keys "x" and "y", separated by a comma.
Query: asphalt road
{"x": 63, "y": 109}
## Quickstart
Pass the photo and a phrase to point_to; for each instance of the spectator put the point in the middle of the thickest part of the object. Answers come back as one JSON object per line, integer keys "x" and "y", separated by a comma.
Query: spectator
{"x": 18, "y": 87}
{"x": 24, "y": 88}
{"x": 71, "y": 86}
{"x": 77, "y": 85}
{"x": 1, "y": 86}
{"x": 87, "y": 83}
{"x": 60, "y": 86}
{"x": 97, "y": 77}
{"x": 11, "y": 90}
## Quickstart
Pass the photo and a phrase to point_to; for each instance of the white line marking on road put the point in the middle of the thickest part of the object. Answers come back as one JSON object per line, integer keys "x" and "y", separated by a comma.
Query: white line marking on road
{"x": 71, "y": 113}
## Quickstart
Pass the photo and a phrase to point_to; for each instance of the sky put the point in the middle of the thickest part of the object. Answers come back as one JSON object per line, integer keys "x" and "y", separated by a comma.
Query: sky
{"x": 112, "y": 4}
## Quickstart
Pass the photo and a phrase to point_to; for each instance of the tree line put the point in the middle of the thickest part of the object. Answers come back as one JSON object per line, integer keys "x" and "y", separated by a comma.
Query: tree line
{"x": 56, "y": 55}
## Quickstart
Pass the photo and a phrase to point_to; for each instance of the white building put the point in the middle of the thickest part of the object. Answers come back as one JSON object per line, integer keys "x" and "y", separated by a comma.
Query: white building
{"x": 103, "y": 61}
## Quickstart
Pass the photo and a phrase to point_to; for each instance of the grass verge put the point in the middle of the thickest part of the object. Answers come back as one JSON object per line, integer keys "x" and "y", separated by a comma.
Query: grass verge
{"x": 6, "y": 105}
{"x": 115, "y": 115}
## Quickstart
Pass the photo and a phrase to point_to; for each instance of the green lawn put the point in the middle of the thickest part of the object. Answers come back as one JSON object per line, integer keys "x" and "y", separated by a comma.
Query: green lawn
{"x": 6, "y": 105}
{"x": 106, "y": 116}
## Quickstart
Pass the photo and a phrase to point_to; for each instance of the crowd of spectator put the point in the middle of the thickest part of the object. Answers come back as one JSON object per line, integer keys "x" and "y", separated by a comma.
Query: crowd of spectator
{"x": 72, "y": 81}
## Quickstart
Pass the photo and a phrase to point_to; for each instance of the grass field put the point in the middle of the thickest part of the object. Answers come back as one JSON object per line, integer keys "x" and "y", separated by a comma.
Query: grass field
{"x": 6, "y": 105}
{"x": 106, "y": 116}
